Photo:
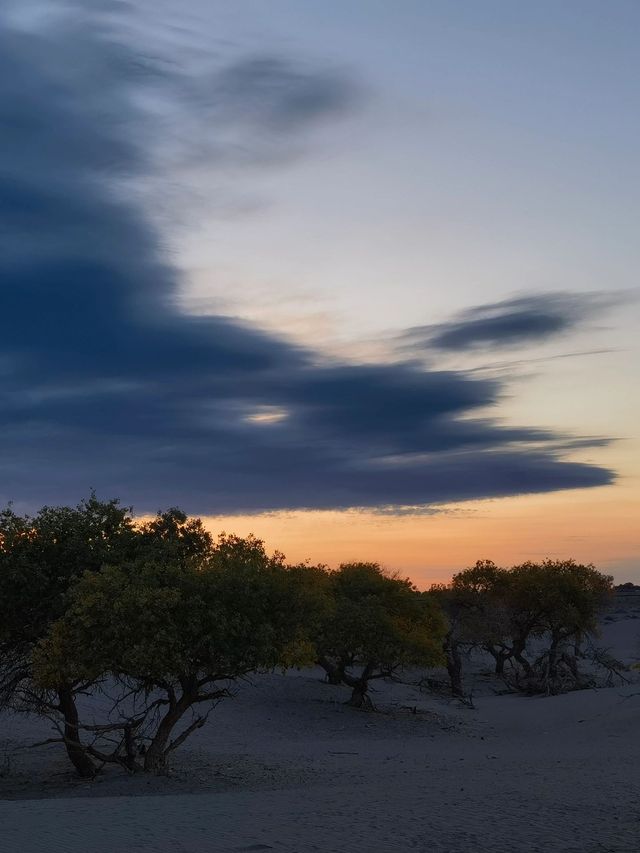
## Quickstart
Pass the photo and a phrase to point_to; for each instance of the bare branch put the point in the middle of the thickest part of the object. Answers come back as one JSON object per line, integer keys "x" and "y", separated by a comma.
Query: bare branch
{"x": 196, "y": 724}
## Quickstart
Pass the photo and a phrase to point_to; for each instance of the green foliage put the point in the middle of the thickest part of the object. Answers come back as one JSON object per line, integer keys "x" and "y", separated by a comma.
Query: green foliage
{"x": 375, "y": 624}
{"x": 177, "y": 633}
{"x": 562, "y": 596}
{"x": 530, "y": 599}
{"x": 42, "y": 555}
{"x": 235, "y": 612}
{"x": 504, "y": 610}
{"x": 175, "y": 537}
{"x": 479, "y": 606}
{"x": 484, "y": 578}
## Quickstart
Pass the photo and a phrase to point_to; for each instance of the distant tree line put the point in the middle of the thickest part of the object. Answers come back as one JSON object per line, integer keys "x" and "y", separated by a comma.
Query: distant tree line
{"x": 158, "y": 620}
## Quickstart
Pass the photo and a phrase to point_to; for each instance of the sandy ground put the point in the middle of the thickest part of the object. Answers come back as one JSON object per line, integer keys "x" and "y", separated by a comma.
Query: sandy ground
{"x": 286, "y": 767}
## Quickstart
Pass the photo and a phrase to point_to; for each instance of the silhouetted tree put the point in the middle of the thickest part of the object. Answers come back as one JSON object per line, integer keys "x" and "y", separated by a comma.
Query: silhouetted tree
{"x": 463, "y": 612}
{"x": 174, "y": 536}
{"x": 510, "y": 612}
{"x": 480, "y": 598}
{"x": 561, "y": 599}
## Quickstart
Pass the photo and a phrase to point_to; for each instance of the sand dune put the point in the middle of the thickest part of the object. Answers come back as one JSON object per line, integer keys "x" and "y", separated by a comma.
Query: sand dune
{"x": 286, "y": 767}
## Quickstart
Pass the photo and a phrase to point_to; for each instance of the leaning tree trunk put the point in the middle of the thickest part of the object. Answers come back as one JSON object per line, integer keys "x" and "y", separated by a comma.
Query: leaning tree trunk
{"x": 571, "y": 662}
{"x": 155, "y": 759}
{"x": 454, "y": 667}
{"x": 518, "y": 654}
{"x": 76, "y": 752}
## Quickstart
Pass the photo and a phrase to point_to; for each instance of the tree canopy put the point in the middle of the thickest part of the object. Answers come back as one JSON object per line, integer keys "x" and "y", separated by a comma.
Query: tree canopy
{"x": 376, "y": 623}
{"x": 522, "y": 616}
{"x": 176, "y": 635}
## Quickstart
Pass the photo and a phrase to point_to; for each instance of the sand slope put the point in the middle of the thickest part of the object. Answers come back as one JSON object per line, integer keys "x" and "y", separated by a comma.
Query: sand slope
{"x": 286, "y": 767}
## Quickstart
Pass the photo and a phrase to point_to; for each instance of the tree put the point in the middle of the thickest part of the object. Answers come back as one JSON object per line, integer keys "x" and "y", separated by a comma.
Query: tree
{"x": 465, "y": 628}
{"x": 508, "y": 612}
{"x": 376, "y": 623}
{"x": 175, "y": 537}
{"x": 40, "y": 558}
{"x": 481, "y": 612}
{"x": 561, "y": 599}
{"x": 175, "y": 636}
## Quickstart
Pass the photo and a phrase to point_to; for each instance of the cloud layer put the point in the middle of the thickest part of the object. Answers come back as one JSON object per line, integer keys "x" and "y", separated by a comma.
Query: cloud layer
{"x": 104, "y": 383}
{"x": 511, "y": 323}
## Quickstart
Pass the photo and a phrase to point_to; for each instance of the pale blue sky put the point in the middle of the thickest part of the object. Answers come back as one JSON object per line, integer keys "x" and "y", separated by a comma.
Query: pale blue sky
{"x": 494, "y": 151}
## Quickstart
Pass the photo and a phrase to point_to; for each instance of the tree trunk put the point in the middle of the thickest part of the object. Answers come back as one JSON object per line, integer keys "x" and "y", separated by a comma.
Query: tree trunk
{"x": 518, "y": 654}
{"x": 155, "y": 759}
{"x": 130, "y": 759}
{"x": 572, "y": 663}
{"x": 359, "y": 696}
{"x": 577, "y": 644}
{"x": 553, "y": 658}
{"x": 454, "y": 667}
{"x": 500, "y": 656}
{"x": 77, "y": 755}
{"x": 335, "y": 673}
{"x": 359, "y": 686}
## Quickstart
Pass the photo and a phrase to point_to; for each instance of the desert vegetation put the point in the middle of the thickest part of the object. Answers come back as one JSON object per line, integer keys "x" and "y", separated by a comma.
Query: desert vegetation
{"x": 536, "y": 621}
{"x": 374, "y": 624}
{"x": 159, "y": 621}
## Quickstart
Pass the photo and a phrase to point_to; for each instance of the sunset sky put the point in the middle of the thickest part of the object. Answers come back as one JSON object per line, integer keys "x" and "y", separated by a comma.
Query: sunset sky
{"x": 358, "y": 277}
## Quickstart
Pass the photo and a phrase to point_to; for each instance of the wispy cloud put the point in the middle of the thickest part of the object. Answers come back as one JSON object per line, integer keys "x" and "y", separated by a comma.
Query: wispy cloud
{"x": 272, "y": 92}
{"x": 512, "y": 323}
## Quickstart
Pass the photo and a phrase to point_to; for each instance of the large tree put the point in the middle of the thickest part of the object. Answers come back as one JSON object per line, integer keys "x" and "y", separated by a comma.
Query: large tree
{"x": 504, "y": 609}
{"x": 465, "y": 616}
{"x": 174, "y": 637}
{"x": 525, "y": 617}
{"x": 561, "y": 600}
{"x": 41, "y": 556}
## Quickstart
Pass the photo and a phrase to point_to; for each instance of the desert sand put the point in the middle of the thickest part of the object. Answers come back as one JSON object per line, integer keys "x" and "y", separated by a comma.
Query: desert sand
{"x": 285, "y": 766}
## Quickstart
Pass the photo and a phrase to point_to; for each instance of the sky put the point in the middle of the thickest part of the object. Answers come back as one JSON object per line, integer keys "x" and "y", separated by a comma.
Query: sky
{"x": 357, "y": 277}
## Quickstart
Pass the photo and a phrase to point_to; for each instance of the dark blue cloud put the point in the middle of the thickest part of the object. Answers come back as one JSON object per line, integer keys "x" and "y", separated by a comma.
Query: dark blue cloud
{"x": 105, "y": 383}
{"x": 513, "y": 322}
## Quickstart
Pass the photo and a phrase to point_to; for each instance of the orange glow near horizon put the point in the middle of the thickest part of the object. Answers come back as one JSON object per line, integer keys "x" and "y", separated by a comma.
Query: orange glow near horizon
{"x": 598, "y": 526}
